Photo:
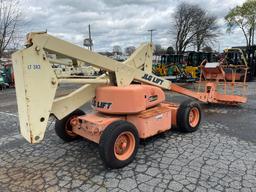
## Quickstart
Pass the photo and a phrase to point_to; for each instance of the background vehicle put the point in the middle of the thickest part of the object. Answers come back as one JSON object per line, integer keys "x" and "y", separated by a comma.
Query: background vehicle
{"x": 243, "y": 55}
{"x": 182, "y": 67}
{"x": 7, "y": 75}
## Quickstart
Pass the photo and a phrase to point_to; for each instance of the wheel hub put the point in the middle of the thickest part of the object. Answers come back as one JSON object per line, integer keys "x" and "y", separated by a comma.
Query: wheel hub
{"x": 121, "y": 144}
{"x": 194, "y": 117}
{"x": 68, "y": 127}
{"x": 124, "y": 146}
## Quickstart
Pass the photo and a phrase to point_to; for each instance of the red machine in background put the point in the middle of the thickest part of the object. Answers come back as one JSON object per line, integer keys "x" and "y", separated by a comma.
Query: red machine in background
{"x": 214, "y": 87}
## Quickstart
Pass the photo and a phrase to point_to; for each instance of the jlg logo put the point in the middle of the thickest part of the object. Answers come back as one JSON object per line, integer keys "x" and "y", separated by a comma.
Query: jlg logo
{"x": 101, "y": 104}
{"x": 153, "y": 79}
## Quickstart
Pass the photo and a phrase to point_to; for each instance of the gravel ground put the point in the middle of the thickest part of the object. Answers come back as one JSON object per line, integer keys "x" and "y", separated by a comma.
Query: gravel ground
{"x": 220, "y": 156}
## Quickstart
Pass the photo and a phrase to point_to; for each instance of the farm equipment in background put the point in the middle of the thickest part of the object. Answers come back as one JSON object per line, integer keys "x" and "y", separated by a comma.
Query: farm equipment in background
{"x": 172, "y": 67}
{"x": 243, "y": 58}
{"x": 250, "y": 58}
{"x": 7, "y": 75}
{"x": 182, "y": 67}
{"x": 129, "y": 103}
{"x": 213, "y": 87}
{"x": 235, "y": 65}
{"x": 165, "y": 66}
{"x": 193, "y": 60}
{"x": 193, "y": 71}
{"x": 3, "y": 85}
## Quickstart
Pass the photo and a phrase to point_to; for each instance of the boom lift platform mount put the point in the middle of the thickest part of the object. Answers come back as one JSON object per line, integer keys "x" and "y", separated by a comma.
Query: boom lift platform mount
{"x": 124, "y": 111}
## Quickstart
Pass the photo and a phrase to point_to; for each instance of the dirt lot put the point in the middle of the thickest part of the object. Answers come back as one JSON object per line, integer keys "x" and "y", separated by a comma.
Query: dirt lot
{"x": 220, "y": 156}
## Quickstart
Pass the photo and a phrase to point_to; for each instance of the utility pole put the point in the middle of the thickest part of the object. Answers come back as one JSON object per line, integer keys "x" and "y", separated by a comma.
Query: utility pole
{"x": 88, "y": 41}
{"x": 151, "y": 34}
{"x": 90, "y": 37}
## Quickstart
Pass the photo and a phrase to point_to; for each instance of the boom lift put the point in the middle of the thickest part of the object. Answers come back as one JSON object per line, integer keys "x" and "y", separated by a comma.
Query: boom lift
{"x": 128, "y": 99}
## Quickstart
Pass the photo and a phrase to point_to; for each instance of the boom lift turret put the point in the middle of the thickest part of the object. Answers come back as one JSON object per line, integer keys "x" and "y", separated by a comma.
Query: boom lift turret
{"x": 128, "y": 99}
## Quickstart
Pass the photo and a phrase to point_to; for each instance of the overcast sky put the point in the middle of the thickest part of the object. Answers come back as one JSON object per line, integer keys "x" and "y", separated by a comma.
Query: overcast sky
{"x": 119, "y": 22}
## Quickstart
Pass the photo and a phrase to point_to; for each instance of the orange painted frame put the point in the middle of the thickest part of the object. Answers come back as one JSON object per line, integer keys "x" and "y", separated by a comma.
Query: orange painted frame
{"x": 148, "y": 123}
{"x": 210, "y": 78}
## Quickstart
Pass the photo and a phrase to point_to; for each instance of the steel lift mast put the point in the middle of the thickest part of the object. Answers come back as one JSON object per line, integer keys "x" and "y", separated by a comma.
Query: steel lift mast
{"x": 128, "y": 99}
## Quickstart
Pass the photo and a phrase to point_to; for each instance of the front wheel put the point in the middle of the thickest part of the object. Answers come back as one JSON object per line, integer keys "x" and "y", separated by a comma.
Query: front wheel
{"x": 63, "y": 127}
{"x": 119, "y": 144}
{"x": 188, "y": 116}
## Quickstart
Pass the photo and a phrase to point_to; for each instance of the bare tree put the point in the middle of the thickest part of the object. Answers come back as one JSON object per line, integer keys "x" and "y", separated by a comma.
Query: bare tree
{"x": 9, "y": 21}
{"x": 158, "y": 49}
{"x": 192, "y": 26}
{"x": 129, "y": 50}
{"x": 184, "y": 21}
{"x": 206, "y": 31}
{"x": 170, "y": 50}
{"x": 117, "y": 50}
{"x": 207, "y": 49}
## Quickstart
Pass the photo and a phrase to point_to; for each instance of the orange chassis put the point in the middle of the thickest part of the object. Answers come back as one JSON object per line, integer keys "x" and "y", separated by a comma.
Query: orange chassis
{"x": 123, "y": 115}
{"x": 148, "y": 123}
{"x": 143, "y": 106}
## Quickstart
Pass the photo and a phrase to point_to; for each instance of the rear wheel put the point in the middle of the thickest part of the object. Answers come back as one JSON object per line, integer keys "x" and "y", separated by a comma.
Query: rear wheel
{"x": 63, "y": 127}
{"x": 189, "y": 116}
{"x": 119, "y": 144}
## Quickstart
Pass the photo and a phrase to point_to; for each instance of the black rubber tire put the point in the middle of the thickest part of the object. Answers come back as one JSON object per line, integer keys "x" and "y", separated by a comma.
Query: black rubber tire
{"x": 61, "y": 124}
{"x": 183, "y": 116}
{"x": 107, "y": 142}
